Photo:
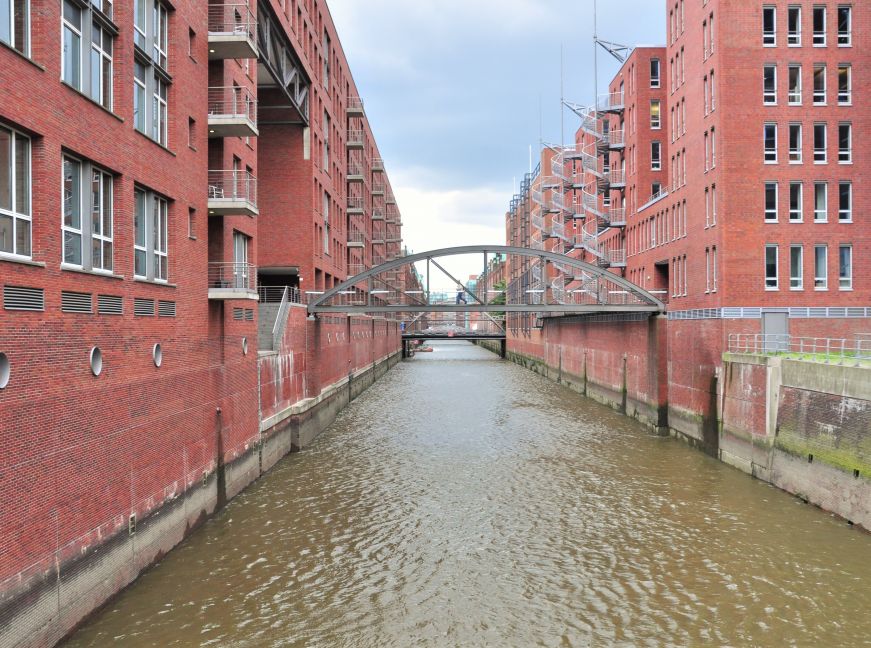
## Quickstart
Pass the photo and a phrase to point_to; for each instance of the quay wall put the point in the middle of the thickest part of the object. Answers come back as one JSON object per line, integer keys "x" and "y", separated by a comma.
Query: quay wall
{"x": 117, "y": 469}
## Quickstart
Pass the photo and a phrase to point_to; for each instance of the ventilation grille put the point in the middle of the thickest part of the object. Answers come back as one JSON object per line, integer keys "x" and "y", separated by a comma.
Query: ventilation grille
{"x": 110, "y": 305}
{"x": 249, "y": 314}
{"x": 76, "y": 302}
{"x": 143, "y": 307}
{"x": 166, "y": 308}
{"x": 238, "y": 313}
{"x": 23, "y": 299}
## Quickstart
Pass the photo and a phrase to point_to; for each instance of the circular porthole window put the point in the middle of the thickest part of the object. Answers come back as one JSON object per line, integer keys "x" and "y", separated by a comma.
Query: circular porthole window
{"x": 157, "y": 355}
{"x": 5, "y": 370}
{"x": 245, "y": 346}
{"x": 96, "y": 361}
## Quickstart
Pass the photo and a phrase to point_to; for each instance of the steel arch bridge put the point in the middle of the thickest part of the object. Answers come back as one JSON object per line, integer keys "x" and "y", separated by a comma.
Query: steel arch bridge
{"x": 542, "y": 282}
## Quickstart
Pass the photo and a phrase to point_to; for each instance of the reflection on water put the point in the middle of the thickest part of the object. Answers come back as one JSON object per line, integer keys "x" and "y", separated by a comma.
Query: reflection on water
{"x": 465, "y": 501}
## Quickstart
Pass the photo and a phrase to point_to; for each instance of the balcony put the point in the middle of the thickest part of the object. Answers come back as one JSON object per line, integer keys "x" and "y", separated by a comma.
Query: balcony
{"x": 232, "y": 31}
{"x": 355, "y": 107}
{"x": 378, "y": 189}
{"x": 611, "y": 103}
{"x": 391, "y": 200}
{"x": 377, "y": 214}
{"x": 355, "y": 139}
{"x": 377, "y": 165}
{"x": 356, "y": 268}
{"x": 355, "y": 205}
{"x": 355, "y": 172}
{"x": 228, "y": 280}
{"x": 232, "y": 192}
{"x": 356, "y": 238}
{"x": 232, "y": 112}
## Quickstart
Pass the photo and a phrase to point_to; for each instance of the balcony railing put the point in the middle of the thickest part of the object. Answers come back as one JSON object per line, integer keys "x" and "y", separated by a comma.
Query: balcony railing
{"x": 232, "y": 112}
{"x": 229, "y": 280}
{"x": 850, "y": 351}
{"x": 275, "y": 294}
{"x": 355, "y": 172}
{"x": 612, "y": 102}
{"x": 232, "y": 31}
{"x": 377, "y": 214}
{"x": 377, "y": 164}
{"x": 355, "y": 204}
{"x": 232, "y": 192}
{"x": 355, "y": 107}
{"x": 355, "y": 139}
{"x": 378, "y": 189}
{"x": 356, "y": 237}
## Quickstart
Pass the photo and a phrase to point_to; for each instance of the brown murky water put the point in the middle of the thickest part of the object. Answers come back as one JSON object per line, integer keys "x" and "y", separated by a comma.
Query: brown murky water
{"x": 467, "y": 502}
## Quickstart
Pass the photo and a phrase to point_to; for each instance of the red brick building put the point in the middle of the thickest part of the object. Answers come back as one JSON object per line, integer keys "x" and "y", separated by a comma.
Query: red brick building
{"x": 164, "y": 167}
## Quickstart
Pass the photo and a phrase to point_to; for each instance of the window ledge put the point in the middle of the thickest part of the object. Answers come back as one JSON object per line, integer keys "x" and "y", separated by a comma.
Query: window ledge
{"x": 22, "y": 56}
{"x": 91, "y": 100}
{"x": 93, "y": 273}
{"x": 152, "y": 282}
{"x": 155, "y": 142}
{"x": 21, "y": 261}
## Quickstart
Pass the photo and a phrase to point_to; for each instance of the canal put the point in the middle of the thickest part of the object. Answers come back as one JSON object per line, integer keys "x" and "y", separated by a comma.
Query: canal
{"x": 464, "y": 501}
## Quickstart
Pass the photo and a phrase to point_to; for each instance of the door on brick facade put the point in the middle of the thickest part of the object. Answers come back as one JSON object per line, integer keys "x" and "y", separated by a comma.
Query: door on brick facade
{"x": 775, "y": 331}
{"x": 240, "y": 260}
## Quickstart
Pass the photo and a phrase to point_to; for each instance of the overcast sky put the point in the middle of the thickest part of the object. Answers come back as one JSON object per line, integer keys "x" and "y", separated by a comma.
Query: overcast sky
{"x": 452, "y": 89}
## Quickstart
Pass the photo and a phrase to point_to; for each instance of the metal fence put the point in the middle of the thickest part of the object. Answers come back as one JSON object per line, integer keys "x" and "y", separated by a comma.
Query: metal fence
{"x": 820, "y": 349}
{"x": 275, "y": 294}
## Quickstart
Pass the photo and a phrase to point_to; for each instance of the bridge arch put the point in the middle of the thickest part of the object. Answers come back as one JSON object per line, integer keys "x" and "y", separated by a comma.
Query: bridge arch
{"x": 549, "y": 283}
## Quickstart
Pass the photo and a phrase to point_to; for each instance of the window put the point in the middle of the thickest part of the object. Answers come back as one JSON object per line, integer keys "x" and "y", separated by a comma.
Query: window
{"x": 845, "y": 85}
{"x": 793, "y": 33}
{"x": 713, "y": 93}
{"x": 795, "y": 202}
{"x": 707, "y": 152}
{"x": 819, "y": 26}
{"x": 714, "y": 267}
{"x": 655, "y": 114}
{"x": 655, "y": 156}
{"x": 713, "y": 150}
{"x": 655, "y": 76}
{"x": 821, "y": 202}
{"x": 704, "y": 40}
{"x": 327, "y": 56}
{"x": 326, "y": 213}
{"x": 15, "y": 24}
{"x": 820, "y": 84}
{"x": 771, "y": 202}
{"x": 655, "y": 189}
{"x": 845, "y": 202}
{"x": 707, "y": 270}
{"x": 151, "y": 236}
{"x": 15, "y": 208}
{"x": 769, "y": 85}
{"x": 796, "y": 279}
{"x": 87, "y": 224}
{"x": 845, "y": 267}
{"x": 769, "y": 26}
{"x": 713, "y": 205}
{"x": 770, "y": 267}
{"x": 845, "y": 26}
{"x": 151, "y": 33}
{"x": 88, "y": 73}
{"x": 770, "y": 143}
{"x": 707, "y": 207}
{"x": 241, "y": 269}
{"x": 795, "y": 143}
{"x": 820, "y": 143}
{"x": 821, "y": 267}
{"x": 794, "y": 96}
{"x": 327, "y": 127}
{"x": 845, "y": 143}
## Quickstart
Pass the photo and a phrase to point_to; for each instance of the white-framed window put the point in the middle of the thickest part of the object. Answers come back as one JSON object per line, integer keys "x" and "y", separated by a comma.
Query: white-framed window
{"x": 769, "y": 138}
{"x": 796, "y": 272}
{"x": 87, "y": 224}
{"x": 655, "y": 73}
{"x": 655, "y": 156}
{"x": 845, "y": 84}
{"x": 88, "y": 71}
{"x": 707, "y": 152}
{"x": 820, "y": 143}
{"x": 769, "y": 84}
{"x": 140, "y": 23}
{"x": 713, "y": 205}
{"x": 795, "y": 148}
{"x": 821, "y": 202}
{"x": 713, "y": 93}
{"x": 821, "y": 267}
{"x": 704, "y": 40}
{"x": 15, "y": 24}
{"x": 327, "y": 127}
{"x": 845, "y": 143}
{"x": 794, "y": 96}
{"x": 713, "y": 149}
{"x": 793, "y": 27}
{"x": 769, "y": 26}
{"x": 820, "y": 84}
{"x": 326, "y": 214}
{"x": 845, "y": 26}
{"x": 771, "y": 202}
{"x": 796, "y": 211}
{"x": 160, "y": 35}
{"x": 707, "y": 270}
{"x": 150, "y": 236}
{"x": 655, "y": 114}
{"x": 714, "y": 268}
{"x": 845, "y": 267}
{"x": 140, "y": 102}
{"x": 845, "y": 202}
{"x": 771, "y": 279}
{"x": 15, "y": 194}
{"x": 707, "y": 207}
{"x": 150, "y": 77}
{"x": 159, "y": 118}
{"x": 819, "y": 20}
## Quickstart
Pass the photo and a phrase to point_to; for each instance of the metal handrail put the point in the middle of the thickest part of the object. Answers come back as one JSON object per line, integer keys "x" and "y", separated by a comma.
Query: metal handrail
{"x": 355, "y": 202}
{"x": 280, "y": 319}
{"x": 355, "y": 136}
{"x": 232, "y": 18}
{"x": 233, "y": 101}
{"x": 230, "y": 275}
{"x": 355, "y": 103}
{"x": 355, "y": 169}
{"x": 356, "y": 236}
{"x": 610, "y": 101}
{"x": 232, "y": 184}
{"x": 806, "y": 348}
